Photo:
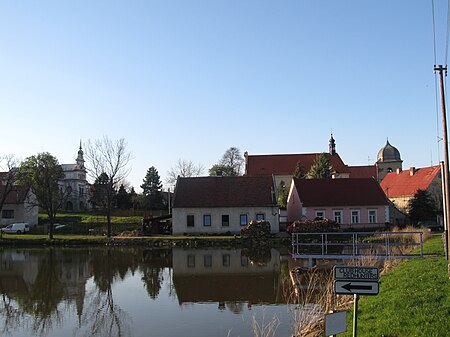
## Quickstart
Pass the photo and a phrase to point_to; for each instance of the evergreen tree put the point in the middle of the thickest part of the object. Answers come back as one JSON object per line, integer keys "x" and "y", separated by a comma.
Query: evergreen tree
{"x": 321, "y": 168}
{"x": 101, "y": 195}
{"x": 421, "y": 207}
{"x": 299, "y": 172}
{"x": 123, "y": 198}
{"x": 152, "y": 187}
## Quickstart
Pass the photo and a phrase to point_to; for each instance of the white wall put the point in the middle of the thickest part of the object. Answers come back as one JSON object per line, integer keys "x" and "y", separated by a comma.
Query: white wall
{"x": 179, "y": 219}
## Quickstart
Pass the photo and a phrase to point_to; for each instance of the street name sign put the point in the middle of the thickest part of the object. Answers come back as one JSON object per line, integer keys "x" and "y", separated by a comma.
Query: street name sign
{"x": 356, "y": 273}
{"x": 349, "y": 280}
{"x": 345, "y": 287}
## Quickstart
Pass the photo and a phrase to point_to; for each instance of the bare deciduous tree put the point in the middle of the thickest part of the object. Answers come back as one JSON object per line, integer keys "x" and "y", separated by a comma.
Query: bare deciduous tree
{"x": 109, "y": 157}
{"x": 184, "y": 168}
{"x": 232, "y": 158}
{"x": 8, "y": 164}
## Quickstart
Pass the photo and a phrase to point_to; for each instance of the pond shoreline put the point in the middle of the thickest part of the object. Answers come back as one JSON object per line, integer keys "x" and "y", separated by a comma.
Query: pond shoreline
{"x": 187, "y": 242}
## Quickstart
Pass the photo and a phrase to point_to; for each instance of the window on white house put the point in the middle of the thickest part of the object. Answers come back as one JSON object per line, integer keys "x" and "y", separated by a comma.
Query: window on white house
{"x": 191, "y": 261}
{"x": 207, "y": 220}
{"x": 225, "y": 220}
{"x": 337, "y": 215}
{"x": 355, "y": 216}
{"x": 226, "y": 260}
{"x": 260, "y": 216}
{"x": 372, "y": 215}
{"x": 207, "y": 261}
{"x": 190, "y": 220}
{"x": 320, "y": 214}
{"x": 8, "y": 214}
{"x": 243, "y": 220}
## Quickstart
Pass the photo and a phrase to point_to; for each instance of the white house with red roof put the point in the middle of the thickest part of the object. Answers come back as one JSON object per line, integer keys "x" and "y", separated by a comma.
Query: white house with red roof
{"x": 215, "y": 205}
{"x": 353, "y": 203}
{"x": 17, "y": 207}
{"x": 400, "y": 186}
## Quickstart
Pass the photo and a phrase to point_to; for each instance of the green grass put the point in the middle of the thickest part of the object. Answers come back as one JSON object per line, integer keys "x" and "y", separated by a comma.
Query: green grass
{"x": 39, "y": 237}
{"x": 88, "y": 218}
{"x": 414, "y": 299}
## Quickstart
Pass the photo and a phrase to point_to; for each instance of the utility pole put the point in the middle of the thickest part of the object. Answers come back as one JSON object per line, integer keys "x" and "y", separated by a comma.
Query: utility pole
{"x": 445, "y": 193}
{"x": 444, "y": 207}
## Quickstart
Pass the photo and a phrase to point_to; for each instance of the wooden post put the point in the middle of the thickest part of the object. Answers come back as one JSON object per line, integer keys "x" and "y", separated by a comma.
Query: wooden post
{"x": 444, "y": 206}
{"x": 355, "y": 315}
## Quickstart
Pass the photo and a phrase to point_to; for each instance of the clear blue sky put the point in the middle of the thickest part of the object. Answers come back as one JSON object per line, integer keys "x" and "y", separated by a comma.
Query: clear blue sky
{"x": 188, "y": 79}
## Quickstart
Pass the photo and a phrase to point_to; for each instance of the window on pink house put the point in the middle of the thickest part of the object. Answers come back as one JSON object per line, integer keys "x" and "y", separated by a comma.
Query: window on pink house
{"x": 337, "y": 215}
{"x": 355, "y": 216}
{"x": 372, "y": 215}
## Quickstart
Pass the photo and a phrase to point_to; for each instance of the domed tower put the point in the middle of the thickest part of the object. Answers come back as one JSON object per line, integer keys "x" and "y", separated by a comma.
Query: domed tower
{"x": 388, "y": 160}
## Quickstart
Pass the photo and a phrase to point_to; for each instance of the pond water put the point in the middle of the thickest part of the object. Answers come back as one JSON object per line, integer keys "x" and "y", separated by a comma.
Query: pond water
{"x": 143, "y": 292}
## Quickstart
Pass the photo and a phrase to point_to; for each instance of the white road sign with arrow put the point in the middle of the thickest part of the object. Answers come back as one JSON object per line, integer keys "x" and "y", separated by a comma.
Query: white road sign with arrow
{"x": 349, "y": 280}
{"x": 356, "y": 287}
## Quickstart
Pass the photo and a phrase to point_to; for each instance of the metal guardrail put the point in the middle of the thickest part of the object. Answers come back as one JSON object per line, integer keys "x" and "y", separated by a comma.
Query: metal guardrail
{"x": 341, "y": 245}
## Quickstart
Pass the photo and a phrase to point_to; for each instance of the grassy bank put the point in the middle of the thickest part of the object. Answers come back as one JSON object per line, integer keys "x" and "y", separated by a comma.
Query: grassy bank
{"x": 83, "y": 223}
{"x": 414, "y": 299}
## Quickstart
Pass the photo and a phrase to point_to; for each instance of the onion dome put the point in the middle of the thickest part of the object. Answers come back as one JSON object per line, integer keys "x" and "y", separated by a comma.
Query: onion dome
{"x": 388, "y": 153}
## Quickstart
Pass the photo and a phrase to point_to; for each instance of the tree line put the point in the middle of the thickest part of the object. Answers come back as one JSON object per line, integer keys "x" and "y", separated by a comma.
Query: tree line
{"x": 108, "y": 168}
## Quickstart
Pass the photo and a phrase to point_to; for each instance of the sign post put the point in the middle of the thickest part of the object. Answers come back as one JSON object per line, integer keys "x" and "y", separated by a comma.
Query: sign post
{"x": 350, "y": 280}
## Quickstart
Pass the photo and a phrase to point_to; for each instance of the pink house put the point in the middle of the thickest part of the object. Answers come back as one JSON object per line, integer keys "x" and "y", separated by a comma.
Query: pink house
{"x": 354, "y": 203}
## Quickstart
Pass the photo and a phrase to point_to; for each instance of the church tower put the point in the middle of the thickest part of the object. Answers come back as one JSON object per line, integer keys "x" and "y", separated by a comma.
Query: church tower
{"x": 332, "y": 146}
{"x": 388, "y": 160}
{"x": 80, "y": 158}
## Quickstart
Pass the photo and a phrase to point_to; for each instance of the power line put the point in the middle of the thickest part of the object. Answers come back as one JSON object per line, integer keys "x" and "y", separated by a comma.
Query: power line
{"x": 434, "y": 29}
{"x": 448, "y": 32}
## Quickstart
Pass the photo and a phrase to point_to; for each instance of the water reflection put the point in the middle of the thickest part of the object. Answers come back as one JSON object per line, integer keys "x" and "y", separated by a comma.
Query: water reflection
{"x": 34, "y": 283}
{"x": 96, "y": 292}
{"x": 225, "y": 276}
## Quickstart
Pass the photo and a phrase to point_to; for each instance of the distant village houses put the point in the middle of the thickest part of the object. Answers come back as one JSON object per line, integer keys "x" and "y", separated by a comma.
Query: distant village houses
{"x": 18, "y": 204}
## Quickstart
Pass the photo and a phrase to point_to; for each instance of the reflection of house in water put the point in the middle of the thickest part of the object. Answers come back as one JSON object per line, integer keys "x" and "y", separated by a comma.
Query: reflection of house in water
{"x": 20, "y": 270}
{"x": 203, "y": 275}
{"x": 74, "y": 271}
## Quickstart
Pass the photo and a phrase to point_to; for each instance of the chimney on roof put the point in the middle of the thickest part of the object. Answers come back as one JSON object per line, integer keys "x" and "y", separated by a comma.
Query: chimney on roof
{"x": 399, "y": 170}
{"x": 246, "y": 162}
{"x": 219, "y": 173}
{"x": 412, "y": 170}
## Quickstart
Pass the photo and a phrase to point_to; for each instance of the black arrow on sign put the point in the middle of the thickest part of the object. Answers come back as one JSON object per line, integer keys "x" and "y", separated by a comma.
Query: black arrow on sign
{"x": 349, "y": 287}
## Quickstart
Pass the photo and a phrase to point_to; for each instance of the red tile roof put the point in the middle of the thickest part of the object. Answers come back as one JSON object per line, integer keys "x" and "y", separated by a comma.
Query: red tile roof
{"x": 18, "y": 192}
{"x": 285, "y": 164}
{"x": 340, "y": 192}
{"x": 369, "y": 171}
{"x": 224, "y": 192}
{"x": 404, "y": 183}
{"x": 17, "y": 195}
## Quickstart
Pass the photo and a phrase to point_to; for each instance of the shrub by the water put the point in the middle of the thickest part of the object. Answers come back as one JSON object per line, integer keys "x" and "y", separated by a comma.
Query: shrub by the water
{"x": 314, "y": 226}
